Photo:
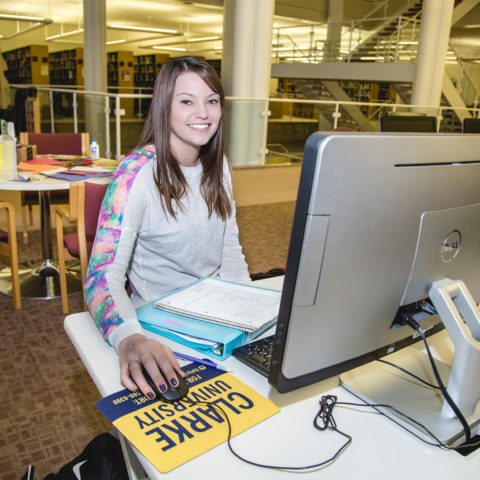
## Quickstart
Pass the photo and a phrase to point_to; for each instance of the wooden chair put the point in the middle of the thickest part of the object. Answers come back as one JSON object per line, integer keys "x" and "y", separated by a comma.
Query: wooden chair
{"x": 8, "y": 248}
{"x": 83, "y": 209}
{"x": 54, "y": 144}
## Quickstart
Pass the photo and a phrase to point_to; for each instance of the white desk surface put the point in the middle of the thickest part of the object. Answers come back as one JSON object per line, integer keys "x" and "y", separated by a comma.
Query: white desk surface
{"x": 40, "y": 182}
{"x": 380, "y": 449}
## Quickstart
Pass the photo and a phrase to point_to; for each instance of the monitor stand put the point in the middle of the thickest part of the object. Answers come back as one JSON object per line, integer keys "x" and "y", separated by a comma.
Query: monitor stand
{"x": 378, "y": 383}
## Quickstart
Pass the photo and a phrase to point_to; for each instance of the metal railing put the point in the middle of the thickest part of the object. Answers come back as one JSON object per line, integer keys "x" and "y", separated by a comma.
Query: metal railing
{"x": 311, "y": 114}
{"x": 307, "y": 43}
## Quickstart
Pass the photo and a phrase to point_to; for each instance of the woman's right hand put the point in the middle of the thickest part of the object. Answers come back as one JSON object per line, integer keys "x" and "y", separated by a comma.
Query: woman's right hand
{"x": 158, "y": 359}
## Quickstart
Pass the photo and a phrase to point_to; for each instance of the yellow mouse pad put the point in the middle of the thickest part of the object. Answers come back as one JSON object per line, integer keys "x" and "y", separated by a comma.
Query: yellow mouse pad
{"x": 170, "y": 434}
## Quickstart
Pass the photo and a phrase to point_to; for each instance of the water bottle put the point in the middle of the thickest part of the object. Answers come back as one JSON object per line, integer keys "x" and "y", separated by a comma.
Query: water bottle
{"x": 1, "y": 152}
{"x": 9, "y": 153}
{"x": 94, "y": 150}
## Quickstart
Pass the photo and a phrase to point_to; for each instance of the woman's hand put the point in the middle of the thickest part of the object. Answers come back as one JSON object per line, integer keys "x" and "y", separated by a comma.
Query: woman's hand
{"x": 159, "y": 361}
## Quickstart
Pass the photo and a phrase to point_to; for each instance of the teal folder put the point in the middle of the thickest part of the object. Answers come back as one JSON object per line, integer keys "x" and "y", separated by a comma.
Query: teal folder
{"x": 212, "y": 339}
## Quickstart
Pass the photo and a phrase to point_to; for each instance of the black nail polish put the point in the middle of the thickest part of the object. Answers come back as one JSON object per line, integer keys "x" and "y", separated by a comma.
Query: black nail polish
{"x": 151, "y": 395}
{"x": 163, "y": 388}
{"x": 174, "y": 382}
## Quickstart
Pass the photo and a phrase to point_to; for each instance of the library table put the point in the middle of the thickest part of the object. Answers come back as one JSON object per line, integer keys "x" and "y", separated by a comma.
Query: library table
{"x": 42, "y": 280}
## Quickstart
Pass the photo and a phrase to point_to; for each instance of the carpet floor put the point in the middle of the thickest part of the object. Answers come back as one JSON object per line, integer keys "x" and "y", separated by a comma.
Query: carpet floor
{"x": 48, "y": 412}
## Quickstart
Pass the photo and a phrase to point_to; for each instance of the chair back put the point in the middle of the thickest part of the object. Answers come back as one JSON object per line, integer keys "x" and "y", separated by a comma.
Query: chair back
{"x": 57, "y": 143}
{"x": 84, "y": 208}
{"x": 94, "y": 193}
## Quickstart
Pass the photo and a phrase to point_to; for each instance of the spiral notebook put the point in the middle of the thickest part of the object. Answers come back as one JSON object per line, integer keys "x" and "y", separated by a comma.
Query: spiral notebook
{"x": 213, "y": 300}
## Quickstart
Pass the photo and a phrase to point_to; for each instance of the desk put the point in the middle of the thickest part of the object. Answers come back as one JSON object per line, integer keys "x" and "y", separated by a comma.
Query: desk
{"x": 41, "y": 281}
{"x": 380, "y": 449}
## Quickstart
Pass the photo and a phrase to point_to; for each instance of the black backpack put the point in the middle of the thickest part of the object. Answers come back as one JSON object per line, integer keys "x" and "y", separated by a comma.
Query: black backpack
{"x": 102, "y": 459}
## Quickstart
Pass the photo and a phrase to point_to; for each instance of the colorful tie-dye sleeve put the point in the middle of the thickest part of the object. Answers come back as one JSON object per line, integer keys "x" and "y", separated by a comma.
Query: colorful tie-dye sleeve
{"x": 98, "y": 295}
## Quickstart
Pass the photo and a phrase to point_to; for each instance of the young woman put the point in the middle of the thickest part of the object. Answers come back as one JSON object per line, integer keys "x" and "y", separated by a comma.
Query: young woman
{"x": 167, "y": 219}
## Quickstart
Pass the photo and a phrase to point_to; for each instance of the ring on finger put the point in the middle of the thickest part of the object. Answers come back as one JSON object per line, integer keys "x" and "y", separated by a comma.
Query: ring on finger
{"x": 131, "y": 362}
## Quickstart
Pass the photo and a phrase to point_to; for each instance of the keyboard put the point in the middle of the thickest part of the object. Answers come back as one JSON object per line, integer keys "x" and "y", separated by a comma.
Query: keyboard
{"x": 256, "y": 354}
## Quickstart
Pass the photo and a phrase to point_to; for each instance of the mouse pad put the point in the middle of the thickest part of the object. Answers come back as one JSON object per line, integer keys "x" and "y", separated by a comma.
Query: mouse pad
{"x": 170, "y": 434}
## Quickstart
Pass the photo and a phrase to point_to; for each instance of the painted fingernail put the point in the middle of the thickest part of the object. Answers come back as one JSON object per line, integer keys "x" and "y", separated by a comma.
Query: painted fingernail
{"x": 151, "y": 395}
{"x": 174, "y": 382}
{"x": 163, "y": 388}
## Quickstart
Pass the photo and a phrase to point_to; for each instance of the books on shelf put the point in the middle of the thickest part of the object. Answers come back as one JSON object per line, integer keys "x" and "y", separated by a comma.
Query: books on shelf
{"x": 212, "y": 315}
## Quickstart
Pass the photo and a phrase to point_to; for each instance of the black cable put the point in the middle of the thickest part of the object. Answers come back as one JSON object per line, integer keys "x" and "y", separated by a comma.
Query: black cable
{"x": 414, "y": 324}
{"x": 408, "y": 373}
{"x": 377, "y": 406}
{"x": 327, "y": 403}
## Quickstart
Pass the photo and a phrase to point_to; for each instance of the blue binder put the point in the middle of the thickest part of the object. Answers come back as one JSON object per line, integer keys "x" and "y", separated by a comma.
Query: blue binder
{"x": 214, "y": 340}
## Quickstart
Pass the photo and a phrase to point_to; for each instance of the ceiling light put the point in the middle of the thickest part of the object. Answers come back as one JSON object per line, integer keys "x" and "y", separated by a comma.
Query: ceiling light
{"x": 24, "y": 18}
{"x": 174, "y": 49}
{"x": 66, "y": 34}
{"x": 140, "y": 29}
{"x": 289, "y": 49}
{"x": 203, "y": 39}
{"x": 115, "y": 42}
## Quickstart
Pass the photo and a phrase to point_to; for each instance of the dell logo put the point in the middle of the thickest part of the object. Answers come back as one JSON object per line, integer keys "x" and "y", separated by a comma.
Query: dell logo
{"x": 451, "y": 246}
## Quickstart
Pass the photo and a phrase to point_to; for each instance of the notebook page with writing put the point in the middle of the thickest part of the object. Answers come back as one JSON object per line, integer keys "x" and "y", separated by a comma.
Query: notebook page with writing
{"x": 232, "y": 304}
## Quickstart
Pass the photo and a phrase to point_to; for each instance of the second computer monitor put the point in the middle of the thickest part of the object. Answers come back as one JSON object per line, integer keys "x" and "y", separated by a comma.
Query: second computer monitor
{"x": 471, "y": 125}
{"x": 408, "y": 123}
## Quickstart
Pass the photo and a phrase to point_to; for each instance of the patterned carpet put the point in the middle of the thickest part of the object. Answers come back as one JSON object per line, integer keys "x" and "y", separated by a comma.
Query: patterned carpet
{"x": 48, "y": 411}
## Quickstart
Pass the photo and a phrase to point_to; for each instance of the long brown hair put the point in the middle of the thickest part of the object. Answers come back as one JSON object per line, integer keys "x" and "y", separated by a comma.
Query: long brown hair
{"x": 170, "y": 181}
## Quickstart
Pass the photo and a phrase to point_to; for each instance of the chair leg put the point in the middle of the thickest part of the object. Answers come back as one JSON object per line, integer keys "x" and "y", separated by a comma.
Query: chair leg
{"x": 17, "y": 300}
{"x": 24, "y": 224}
{"x": 30, "y": 215}
{"x": 61, "y": 263}
{"x": 13, "y": 254}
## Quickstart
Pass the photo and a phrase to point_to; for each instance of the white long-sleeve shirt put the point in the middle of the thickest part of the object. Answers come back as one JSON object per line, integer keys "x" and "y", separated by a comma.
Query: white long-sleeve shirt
{"x": 138, "y": 240}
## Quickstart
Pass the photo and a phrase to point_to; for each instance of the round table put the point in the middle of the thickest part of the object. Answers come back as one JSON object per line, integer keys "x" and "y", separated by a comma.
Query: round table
{"x": 41, "y": 281}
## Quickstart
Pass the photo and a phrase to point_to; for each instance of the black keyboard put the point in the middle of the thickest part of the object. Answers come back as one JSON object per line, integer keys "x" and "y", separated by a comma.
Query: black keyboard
{"x": 256, "y": 354}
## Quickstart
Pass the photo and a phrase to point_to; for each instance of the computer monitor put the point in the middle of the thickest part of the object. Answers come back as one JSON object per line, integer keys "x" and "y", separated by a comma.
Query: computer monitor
{"x": 379, "y": 219}
{"x": 471, "y": 125}
{"x": 408, "y": 123}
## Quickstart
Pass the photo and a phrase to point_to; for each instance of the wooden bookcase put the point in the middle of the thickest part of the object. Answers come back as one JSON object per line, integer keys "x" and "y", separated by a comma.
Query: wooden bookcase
{"x": 27, "y": 65}
{"x": 32, "y": 115}
{"x": 120, "y": 69}
{"x": 146, "y": 68}
{"x": 120, "y": 74}
{"x": 66, "y": 67}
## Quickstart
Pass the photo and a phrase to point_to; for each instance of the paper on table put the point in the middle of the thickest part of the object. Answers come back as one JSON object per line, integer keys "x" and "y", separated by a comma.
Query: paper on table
{"x": 44, "y": 161}
{"x": 76, "y": 177}
{"x": 36, "y": 167}
{"x": 90, "y": 169}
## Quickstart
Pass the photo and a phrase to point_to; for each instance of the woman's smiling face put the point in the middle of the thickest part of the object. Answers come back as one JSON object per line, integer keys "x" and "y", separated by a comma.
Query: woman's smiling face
{"x": 194, "y": 117}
